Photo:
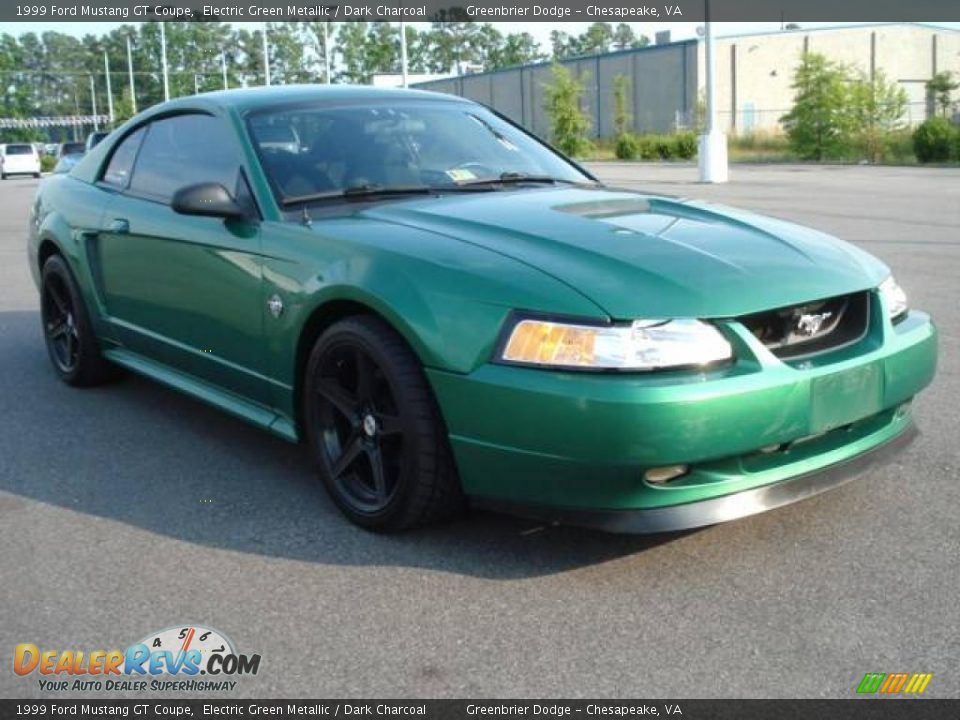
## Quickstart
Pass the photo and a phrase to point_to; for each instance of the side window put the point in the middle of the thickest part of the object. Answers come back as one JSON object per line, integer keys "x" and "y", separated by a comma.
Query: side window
{"x": 121, "y": 163}
{"x": 184, "y": 150}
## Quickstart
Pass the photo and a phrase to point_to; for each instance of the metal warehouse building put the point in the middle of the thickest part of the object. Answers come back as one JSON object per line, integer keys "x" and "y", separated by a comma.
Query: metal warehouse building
{"x": 754, "y": 74}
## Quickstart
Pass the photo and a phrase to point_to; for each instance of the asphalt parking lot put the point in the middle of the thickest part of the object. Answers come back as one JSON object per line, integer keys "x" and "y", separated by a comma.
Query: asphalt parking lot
{"x": 130, "y": 508}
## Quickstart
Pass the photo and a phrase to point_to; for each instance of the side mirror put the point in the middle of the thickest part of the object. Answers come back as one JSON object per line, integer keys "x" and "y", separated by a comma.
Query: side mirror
{"x": 209, "y": 199}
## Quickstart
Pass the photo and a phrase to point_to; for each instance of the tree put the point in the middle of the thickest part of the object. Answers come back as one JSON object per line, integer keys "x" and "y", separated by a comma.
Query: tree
{"x": 597, "y": 39}
{"x": 453, "y": 44}
{"x": 940, "y": 88}
{"x": 818, "y": 123}
{"x": 383, "y": 48}
{"x": 313, "y": 33}
{"x": 876, "y": 107}
{"x": 563, "y": 45}
{"x": 621, "y": 105}
{"x": 520, "y": 49}
{"x": 352, "y": 42}
{"x": 490, "y": 45}
{"x": 288, "y": 61}
{"x": 418, "y": 49}
{"x": 625, "y": 39}
{"x": 569, "y": 124}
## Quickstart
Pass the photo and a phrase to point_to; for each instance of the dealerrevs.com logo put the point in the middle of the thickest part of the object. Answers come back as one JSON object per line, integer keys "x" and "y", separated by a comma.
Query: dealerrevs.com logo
{"x": 169, "y": 660}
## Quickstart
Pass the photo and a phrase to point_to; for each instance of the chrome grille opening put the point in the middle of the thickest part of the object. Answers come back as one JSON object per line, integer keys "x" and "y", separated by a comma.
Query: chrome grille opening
{"x": 811, "y": 328}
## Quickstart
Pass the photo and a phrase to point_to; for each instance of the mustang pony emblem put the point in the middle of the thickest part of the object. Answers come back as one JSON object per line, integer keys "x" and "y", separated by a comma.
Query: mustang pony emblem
{"x": 809, "y": 324}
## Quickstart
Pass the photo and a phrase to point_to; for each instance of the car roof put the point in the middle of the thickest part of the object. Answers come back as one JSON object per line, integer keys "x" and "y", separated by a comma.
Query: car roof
{"x": 246, "y": 99}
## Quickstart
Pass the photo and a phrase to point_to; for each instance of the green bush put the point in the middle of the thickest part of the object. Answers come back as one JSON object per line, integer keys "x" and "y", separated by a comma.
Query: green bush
{"x": 649, "y": 147}
{"x": 899, "y": 147}
{"x": 664, "y": 146}
{"x": 684, "y": 145}
{"x": 47, "y": 163}
{"x": 569, "y": 124}
{"x": 627, "y": 147}
{"x": 934, "y": 140}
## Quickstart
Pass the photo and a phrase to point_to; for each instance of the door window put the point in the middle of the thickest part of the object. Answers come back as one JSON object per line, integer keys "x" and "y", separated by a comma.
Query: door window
{"x": 121, "y": 163}
{"x": 184, "y": 150}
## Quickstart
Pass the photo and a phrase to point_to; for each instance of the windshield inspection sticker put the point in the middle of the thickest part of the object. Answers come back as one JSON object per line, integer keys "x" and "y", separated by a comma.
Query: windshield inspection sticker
{"x": 460, "y": 175}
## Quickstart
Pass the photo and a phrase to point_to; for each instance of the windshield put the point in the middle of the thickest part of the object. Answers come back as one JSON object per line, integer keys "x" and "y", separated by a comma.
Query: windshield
{"x": 73, "y": 149}
{"x": 321, "y": 150}
{"x": 19, "y": 150}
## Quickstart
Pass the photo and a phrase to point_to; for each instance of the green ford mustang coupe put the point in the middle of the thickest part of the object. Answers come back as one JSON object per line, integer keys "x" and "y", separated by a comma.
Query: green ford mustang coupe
{"x": 447, "y": 311}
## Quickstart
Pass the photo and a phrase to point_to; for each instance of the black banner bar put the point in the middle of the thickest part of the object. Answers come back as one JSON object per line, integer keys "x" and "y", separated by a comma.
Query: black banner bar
{"x": 854, "y": 709}
{"x": 647, "y": 11}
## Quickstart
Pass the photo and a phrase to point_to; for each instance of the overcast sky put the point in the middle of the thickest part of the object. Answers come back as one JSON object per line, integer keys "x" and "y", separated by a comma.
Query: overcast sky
{"x": 540, "y": 30}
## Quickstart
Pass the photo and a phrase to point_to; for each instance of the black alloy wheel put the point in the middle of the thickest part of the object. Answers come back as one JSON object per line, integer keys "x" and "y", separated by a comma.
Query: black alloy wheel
{"x": 375, "y": 429}
{"x": 70, "y": 339}
{"x": 60, "y": 325}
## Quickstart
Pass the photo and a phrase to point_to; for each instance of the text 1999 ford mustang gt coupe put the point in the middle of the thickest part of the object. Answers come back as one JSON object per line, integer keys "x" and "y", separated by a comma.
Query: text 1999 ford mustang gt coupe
{"x": 445, "y": 308}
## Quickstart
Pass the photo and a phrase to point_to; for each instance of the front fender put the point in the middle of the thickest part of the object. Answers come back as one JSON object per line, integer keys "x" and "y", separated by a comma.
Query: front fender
{"x": 447, "y": 298}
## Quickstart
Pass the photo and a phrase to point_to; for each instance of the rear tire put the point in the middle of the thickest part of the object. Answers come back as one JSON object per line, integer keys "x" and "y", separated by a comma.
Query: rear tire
{"x": 71, "y": 342}
{"x": 375, "y": 429}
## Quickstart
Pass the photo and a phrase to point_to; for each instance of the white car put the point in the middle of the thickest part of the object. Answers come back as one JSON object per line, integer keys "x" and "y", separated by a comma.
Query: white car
{"x": 19, "y": 159}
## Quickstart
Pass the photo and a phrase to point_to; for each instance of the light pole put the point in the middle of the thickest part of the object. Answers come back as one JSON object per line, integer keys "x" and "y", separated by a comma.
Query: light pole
{"x": 713, "y": 143}
{"x": 266, "y": 56}
{"x": 93, "y": 102}
{"x": 133, "y": 89}
{"x": 326, "y": 52}
{"x": 223, "y": 64}
{"x": 106, "y": 69}
{"x": 163, "y": 61}
{"x": 403, "y": 53}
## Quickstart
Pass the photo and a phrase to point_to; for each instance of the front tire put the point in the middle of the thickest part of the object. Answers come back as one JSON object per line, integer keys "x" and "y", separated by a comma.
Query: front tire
{"x": 375, "y": 429}
{"x": 67, "y": 330}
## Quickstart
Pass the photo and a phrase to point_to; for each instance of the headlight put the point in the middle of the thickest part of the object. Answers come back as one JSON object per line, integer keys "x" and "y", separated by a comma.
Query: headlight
{"x": 894, "y": 297}
{"x": 641, "y": 345}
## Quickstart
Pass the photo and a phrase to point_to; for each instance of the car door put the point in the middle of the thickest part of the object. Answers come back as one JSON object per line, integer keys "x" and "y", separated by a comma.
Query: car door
{"x": 182, "y": 290}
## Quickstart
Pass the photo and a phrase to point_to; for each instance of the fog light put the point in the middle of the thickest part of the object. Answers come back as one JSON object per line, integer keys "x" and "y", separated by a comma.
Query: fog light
{"x": 661, "y": 475}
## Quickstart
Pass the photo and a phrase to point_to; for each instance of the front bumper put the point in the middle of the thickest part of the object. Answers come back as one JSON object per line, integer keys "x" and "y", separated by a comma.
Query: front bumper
{"x": 719, "y": 509}
{"x": 569, "y": 441}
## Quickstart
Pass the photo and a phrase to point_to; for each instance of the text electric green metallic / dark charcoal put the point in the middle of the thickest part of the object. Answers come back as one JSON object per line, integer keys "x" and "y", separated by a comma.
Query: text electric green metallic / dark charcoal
{"x": 446, "y": 309}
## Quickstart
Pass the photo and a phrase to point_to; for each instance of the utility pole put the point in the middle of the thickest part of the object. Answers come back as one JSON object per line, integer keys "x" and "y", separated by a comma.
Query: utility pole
{"x": 713, "y": 144}
{"x": 133, "y": 89}
{"x": 326, "y": 52}
{"x": 163, "y": 60}
{"x": 266, "y": 56}
{"x": 403, "y": 52}
{"x": 106, "y": 68}
{"x": 196, "y": 84}
{"x": 93, "y": 102}
{"x": 223, "y": 64}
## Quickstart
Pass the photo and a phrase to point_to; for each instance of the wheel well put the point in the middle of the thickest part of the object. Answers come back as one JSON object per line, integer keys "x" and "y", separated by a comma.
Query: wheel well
{"x": 47, "y": 249}
{"x": 322, "y": 318}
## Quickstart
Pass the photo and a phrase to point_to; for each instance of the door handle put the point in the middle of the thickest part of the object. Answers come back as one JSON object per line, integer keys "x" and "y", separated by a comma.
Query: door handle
{"x": 120, "y": 226}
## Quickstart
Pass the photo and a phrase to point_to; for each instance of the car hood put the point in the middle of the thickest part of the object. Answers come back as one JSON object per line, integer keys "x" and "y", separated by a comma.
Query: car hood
{"x": 638, "y": 255}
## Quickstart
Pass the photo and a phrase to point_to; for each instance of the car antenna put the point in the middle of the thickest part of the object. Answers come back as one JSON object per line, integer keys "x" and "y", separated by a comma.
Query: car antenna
{"x": 305, "y": 217}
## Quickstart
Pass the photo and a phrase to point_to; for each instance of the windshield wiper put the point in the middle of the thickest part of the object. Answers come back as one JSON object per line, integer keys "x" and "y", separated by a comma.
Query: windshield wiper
{"x": 359, "y": 191}
{"x": 374, "y": 190}
{"x": 515, "y": 178}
